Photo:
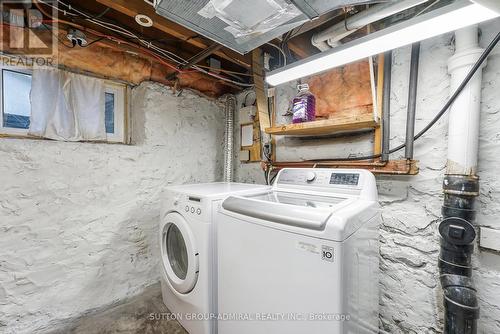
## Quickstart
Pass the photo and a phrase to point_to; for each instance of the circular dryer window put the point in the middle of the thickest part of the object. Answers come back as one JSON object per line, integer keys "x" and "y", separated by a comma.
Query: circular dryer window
{"x": 176, "y": 251}
{"x": 179, "y": 256}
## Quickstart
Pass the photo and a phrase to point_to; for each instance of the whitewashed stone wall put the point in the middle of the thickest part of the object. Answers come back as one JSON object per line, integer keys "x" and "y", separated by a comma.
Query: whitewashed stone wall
{"x": 78, "y": 221}
{"x": 410, "y": 298}
{"x": 410, "y": 294}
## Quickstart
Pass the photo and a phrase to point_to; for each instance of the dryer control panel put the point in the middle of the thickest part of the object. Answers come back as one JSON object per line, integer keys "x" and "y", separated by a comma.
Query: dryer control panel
{"x": 187, "y": 206}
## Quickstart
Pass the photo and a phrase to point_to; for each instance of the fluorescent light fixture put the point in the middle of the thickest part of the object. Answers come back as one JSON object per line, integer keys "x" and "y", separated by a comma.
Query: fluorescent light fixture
{"x": 457, "y": 15}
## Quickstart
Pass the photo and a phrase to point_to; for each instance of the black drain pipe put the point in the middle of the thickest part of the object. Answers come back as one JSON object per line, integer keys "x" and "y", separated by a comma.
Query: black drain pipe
{"x": 460, "y": 302}
{"x": 455, "y": 260}
{"x": 461, "y": 187}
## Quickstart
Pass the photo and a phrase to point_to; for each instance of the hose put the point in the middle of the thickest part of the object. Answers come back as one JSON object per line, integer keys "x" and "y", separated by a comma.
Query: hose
{"x": 443, "y": 110}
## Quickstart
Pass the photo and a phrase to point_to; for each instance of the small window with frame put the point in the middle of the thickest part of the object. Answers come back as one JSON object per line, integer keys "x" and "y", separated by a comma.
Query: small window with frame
{"x": 115, "y": 112}
{"x": 15, "y": 105}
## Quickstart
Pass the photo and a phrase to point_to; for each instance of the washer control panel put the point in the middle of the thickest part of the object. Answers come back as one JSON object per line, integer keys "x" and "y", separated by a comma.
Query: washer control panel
{"x": 348, "y": 179}
{"x": 322, "y": 177}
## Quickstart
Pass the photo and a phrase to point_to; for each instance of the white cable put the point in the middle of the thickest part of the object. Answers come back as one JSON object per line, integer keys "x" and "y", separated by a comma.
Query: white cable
{"x": 280, "y": 50}
{"x": 56, "y": 8}
{"x": 169, "y": 55}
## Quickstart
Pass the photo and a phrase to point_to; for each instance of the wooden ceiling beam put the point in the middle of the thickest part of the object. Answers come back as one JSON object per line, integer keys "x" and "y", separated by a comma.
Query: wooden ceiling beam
{"x": 133, "y": 7}
{"x": 302, "y": 47}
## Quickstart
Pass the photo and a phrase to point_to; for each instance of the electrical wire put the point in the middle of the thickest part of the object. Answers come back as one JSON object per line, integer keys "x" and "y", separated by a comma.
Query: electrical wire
{"x": 280, "y": 50}
{"x": 296, "y": 32}
{"x": 164, "y": 52}
{"x": 443, "y": 110}
{"x": 267, "y": 175}
{"x": 271, "y": 181}
{"x": 428, "y": 7}
{"x": 72, "y": 46}
{"x": 225, "y": 71}
{"x": 104, "y": 12}
{"x": 122, "y": 31}
{"x": 93, "y": 42}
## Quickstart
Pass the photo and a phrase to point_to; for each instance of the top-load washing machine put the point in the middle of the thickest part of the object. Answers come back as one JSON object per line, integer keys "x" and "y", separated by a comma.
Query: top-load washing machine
{"x": 301, "y": 258}
{"x": 187, "y": 252}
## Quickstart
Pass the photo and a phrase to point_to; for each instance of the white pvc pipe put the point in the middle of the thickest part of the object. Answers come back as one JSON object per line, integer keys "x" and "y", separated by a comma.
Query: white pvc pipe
{"x": 463, "y": 132}
{"x": 330, "y": 37}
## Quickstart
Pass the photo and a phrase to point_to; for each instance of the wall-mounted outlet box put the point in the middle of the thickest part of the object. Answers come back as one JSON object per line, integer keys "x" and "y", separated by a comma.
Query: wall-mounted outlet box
{"x": 244, "y": 155}
{"x": 490, "y": 239}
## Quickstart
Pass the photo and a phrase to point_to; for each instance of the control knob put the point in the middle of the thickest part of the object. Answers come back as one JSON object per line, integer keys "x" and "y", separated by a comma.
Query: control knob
{"x": 310, "y": 176}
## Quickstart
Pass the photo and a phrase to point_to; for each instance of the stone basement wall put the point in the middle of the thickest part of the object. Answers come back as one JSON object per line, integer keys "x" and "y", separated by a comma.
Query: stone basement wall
{"x": 410, "y": 295}
{"x": 78, "y": 221}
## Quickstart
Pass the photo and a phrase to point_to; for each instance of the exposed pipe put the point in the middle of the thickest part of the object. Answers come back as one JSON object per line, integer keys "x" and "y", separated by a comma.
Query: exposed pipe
{"x": 229, "y": 110}
{"x": 461, "y": 187}
{"x": 330, "y": 37}
{"x": 463, "y": 133}
{"x": 412, "y": 100}
{"x": 386, "y": 107}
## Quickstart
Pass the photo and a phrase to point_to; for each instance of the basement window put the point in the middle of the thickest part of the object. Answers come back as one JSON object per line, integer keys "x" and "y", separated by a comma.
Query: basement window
{"x": 15, "y": 105}
{"x": 114, "y": 112}
{"x": 15, "y": 101}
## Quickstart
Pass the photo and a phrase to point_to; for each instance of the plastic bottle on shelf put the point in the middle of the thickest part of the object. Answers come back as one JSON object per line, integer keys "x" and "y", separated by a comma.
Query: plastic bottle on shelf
{"x": 304, "y": 105}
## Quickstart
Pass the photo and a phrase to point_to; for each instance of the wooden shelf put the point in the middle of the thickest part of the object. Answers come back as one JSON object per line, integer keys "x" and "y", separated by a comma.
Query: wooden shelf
{"x": 326, "y": 127}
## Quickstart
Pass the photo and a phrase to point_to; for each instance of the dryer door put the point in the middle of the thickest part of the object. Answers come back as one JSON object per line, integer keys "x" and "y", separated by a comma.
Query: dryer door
{"x": 179, "y": 254}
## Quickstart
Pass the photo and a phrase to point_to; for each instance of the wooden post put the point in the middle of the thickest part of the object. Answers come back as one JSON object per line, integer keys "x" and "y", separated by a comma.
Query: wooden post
{"x": 261, "y": 92}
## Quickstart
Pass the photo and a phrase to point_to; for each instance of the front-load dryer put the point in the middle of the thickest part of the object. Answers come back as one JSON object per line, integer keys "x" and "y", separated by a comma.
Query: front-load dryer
{"x": 188, "y": 268}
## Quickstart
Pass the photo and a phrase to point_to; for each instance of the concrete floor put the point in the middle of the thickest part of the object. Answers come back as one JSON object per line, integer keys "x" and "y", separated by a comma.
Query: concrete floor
{"x": 144, "y": 314}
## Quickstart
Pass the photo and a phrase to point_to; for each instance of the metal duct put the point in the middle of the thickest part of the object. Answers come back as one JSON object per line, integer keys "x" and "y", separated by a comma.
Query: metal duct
{"x": 229, "y": 110}
{"x": 244, "y": 25}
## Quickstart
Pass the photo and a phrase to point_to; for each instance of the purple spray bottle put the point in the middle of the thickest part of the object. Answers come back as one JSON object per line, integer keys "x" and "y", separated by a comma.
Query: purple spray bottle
{"x": 304, "y": 105}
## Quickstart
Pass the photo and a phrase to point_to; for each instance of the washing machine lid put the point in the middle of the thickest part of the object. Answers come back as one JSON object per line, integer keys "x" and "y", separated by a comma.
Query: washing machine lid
{"x": 299, "y": 210}
{"x": 332, "y": 203}
{"x": 303, "y": 200}
{"x": 216, "y": 189}
{"x": 179, "y": 253}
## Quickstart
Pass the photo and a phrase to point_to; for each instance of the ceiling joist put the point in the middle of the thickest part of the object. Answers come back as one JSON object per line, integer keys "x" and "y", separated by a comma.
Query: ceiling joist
{"x": 133, "y": 7}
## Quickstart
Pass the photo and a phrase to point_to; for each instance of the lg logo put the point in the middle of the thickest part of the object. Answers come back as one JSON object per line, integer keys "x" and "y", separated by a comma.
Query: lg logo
{"x": 327, "y": 254}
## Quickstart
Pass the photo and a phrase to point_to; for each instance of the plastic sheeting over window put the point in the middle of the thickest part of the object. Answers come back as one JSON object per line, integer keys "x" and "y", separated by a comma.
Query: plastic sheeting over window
{"x": 67, "y": 106}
